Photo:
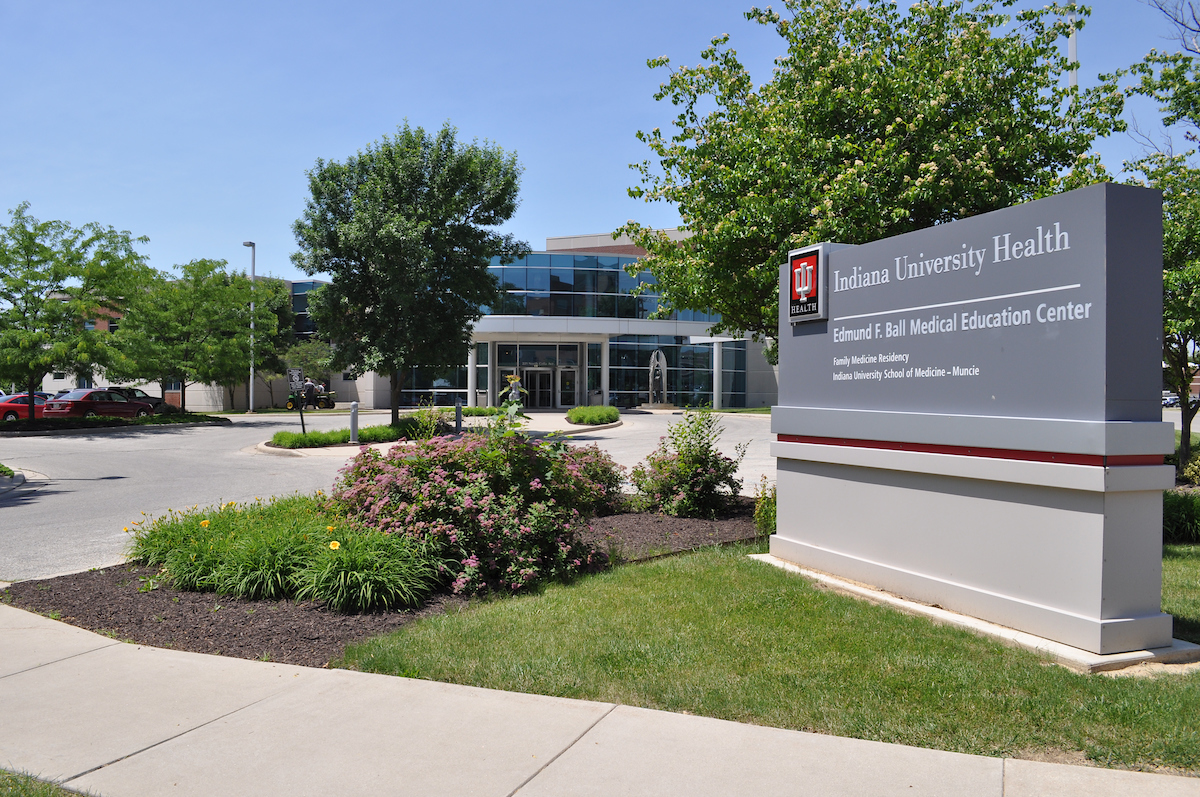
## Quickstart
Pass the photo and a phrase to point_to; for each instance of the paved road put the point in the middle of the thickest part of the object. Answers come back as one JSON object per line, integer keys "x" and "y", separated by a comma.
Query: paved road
{"x": 98, "y": 483}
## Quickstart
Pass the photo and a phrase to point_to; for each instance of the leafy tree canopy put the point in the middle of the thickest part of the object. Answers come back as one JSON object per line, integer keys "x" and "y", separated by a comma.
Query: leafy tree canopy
{"x": 312, "y": 357}
{"x": 876, "y": 122}
{"x": 403, "y": 229}
{"x": 53, "y": 279}
{"x": 1174, "y": 81}
{"x": 194, "y": 327}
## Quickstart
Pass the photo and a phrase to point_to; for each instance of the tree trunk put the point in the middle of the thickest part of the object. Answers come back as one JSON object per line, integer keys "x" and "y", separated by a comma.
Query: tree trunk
{"x": 182, "y": 396}
{"x": 29, "y": 396}
{"x": 395, "y": 397}
{"x": 1186, "y": 413}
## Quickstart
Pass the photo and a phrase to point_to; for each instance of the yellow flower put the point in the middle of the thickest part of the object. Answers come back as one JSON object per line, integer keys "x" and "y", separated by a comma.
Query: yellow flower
{"x": 329, "y": 528}
{"x": 335, "y": 545}
{"x": 126, "y": 529}
{"x": 203, "y": 524}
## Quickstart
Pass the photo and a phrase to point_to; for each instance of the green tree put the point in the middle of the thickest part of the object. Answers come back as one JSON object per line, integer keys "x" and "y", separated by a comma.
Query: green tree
{"x": 312, "y": 357}
{"x": 1180, "y": 184}
{"x": 877, "y": 121}
{"x": 192, "y": 328}
{"x": 402, "y": 228}
{"x": 54, "y": 278}
{"x": 1173, "y": 80}
{"x": 270, "y": 351}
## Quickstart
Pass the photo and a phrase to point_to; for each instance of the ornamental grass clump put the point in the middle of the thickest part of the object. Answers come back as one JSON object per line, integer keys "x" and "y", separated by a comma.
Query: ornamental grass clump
{"x": 503, "y": 512}
{"x": 369, "y": 571}
{"x": 291, "y": 547}
{"x": 687, "y": 476}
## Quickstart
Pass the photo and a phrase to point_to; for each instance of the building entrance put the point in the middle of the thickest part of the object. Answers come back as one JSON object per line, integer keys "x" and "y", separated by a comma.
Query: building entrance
{"x": 566, "y": 387}
{"x": 540, "y": 384}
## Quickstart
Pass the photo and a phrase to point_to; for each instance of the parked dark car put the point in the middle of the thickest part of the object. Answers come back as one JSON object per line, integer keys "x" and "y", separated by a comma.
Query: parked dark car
{"x": 137, "y": 394}
{"x": 17, "y": 406}
{"x": 89, "y": 402}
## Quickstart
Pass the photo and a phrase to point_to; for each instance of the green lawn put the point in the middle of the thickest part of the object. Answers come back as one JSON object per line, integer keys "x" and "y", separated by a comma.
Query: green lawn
{"x": 14, "y": 785}
{"x": 1181, "y": 589}
{"x": 716, "y": 634}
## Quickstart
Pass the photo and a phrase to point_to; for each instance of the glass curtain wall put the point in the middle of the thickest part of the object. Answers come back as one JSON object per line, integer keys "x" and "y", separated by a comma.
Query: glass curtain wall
{"x": 583, "y": 286}
{"x": 733, "y": 373}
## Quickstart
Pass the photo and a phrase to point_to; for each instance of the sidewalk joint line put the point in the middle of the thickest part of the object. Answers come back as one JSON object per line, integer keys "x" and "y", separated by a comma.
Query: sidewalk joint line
{"x": 168, "y": 739}
{"x": 64, "y": 658}
{"x": 559, "y": 754}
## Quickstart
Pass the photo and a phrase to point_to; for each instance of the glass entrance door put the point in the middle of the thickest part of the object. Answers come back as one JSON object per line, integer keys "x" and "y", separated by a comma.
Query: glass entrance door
{"x": 540, "y": 384}
{"x": 566, "y": 387}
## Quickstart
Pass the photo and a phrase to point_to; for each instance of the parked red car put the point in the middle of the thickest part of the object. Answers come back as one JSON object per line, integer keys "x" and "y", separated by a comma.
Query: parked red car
{"x": 17, "y": 406}
{"x": 89, "y": 402}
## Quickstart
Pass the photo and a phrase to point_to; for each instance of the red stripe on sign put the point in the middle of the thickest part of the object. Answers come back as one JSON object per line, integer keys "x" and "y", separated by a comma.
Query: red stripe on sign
{"x": 972, "y": 451}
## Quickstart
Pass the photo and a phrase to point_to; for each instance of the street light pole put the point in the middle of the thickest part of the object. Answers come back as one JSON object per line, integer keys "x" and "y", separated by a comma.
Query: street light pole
{"x": 250, "y": 397}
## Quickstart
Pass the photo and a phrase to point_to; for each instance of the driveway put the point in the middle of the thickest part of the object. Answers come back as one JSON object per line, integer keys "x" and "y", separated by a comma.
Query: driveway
{"x": 86, "y": 488}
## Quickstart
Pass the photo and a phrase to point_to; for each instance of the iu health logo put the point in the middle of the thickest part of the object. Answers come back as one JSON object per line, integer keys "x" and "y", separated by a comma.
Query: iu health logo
{"x": 806, "y": 285}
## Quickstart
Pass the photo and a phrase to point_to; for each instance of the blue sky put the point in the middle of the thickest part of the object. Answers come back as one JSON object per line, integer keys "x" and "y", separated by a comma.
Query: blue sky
{"x": 193, "y": 124}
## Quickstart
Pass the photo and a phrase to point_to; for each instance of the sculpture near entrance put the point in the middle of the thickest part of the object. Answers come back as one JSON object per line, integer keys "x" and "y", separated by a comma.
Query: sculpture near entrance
{"x": 658, "y": 380}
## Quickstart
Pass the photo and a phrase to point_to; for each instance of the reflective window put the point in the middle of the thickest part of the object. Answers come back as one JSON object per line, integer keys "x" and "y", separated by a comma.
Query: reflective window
{"x": 561, "y": 304}
{"x": 562, "y": 279}
{"x": 537, "y": 279}
{"x": 537, "y": 303}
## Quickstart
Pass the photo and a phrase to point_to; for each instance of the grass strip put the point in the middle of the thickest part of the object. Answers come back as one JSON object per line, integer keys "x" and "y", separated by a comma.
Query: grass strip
{"x": 103, "y": 421}
{"x": 13, "y": 784}
{"x": 383, "y": 433}
{"x": 716, "y": 634}
{"x": 6, "y": 471}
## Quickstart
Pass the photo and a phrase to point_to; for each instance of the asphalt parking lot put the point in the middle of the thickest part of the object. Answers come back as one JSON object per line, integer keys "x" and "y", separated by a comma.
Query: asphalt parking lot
{"x": 84, "y": 489}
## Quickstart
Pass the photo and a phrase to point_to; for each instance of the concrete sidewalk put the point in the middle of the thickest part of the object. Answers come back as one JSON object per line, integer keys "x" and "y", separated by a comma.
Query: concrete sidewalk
{"x": 117, "y": 719}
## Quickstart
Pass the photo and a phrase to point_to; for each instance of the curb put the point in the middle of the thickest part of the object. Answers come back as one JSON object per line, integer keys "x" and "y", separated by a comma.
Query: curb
{"x": 10, "y": 483}
{"x": 263, "y": 448}
{"x": 578, "y": 428}
{"x": 130, "y": 427}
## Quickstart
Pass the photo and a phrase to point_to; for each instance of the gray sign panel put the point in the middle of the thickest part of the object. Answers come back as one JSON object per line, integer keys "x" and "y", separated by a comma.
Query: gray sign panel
{"x": 1050, "y": 309}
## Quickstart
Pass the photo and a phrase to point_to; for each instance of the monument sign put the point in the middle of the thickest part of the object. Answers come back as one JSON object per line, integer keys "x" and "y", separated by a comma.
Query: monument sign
{"x": 970, "y": 415}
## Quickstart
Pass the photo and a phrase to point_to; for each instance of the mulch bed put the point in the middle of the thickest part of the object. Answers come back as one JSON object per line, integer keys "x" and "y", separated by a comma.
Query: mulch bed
{"x": 119, "y": 601}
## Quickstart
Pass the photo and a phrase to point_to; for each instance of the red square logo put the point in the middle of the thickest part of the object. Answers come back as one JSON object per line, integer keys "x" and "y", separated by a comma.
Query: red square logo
{"x": 805, "y": 273}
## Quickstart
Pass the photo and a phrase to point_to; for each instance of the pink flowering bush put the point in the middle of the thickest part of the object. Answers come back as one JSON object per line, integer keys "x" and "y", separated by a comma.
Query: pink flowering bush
{"x": 686, "y": 476}
{"x": 503, "y": 512}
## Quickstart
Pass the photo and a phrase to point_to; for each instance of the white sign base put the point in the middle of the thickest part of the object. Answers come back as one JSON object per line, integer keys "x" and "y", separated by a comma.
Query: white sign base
{"x": 1068, "y": 552}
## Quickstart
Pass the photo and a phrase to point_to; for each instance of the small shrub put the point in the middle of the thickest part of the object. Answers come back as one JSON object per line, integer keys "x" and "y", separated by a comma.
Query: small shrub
{"x": 1191, "y": 471}
{"x": 1181, "y": 517}
{"x": 687, "y": 476}
{"x": 593, "y": 415}
{"x": 764, "y": 508}
{"x": 503, "y": 512}
{"x": 469, "y": 412}
{"x": 429, "y": 421}
{"x": 368, "y": 571}
{"x": 6, "y": 471}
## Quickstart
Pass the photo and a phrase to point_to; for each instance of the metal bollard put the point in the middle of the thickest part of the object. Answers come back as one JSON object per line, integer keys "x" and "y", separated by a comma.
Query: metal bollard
{"x": 458, "y": 415}
{"x": 354, "y": 422}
